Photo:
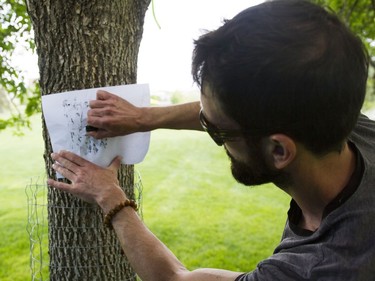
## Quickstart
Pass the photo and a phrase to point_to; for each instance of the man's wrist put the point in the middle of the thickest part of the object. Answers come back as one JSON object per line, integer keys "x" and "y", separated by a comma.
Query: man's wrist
{"x": 115, "y": 210}
{"x": 115, "y": 197}
{"x": 145, "y": 121}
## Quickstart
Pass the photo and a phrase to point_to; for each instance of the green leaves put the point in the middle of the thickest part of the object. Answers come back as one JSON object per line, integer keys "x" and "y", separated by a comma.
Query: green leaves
{"x": 19, "y": 101}
{"x": 359, "y": 15}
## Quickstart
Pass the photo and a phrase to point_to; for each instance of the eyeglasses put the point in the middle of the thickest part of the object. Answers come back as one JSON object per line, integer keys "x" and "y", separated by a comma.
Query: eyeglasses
{"x": 219, "y": 135}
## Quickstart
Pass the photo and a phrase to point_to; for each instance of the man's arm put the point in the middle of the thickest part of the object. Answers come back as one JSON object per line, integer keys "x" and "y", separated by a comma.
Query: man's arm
{"x": 114, "y": 116}
{"x": 149, "y": 257}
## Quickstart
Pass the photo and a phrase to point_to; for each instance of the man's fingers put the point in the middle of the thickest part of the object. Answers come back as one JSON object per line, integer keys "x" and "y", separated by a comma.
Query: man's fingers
{"x": 116, "y": 163}
{"x": 94, "y": 111}
{"x": 59, "y": 185}
{"x": 99, "y": 134}
{"x": 103, "y": 95}
{"x": 96, "y": 104}
{"x": 69, "y": 160}
{"x": 70, "y": 189}
{"x": 100, "y": 112}
{"x": 94, "y": 121}
{"x": 65, "y": 171}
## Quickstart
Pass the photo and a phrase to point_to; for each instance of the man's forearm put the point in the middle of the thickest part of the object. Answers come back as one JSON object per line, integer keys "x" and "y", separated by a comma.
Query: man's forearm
{"x": 151, "y": 259}
{"x": 181, "y": 116}
{"x": 112, "y": 116}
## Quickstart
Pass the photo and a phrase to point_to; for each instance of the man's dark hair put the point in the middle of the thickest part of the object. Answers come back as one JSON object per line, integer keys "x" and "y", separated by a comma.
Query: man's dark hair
{"x": 286, "y": 66}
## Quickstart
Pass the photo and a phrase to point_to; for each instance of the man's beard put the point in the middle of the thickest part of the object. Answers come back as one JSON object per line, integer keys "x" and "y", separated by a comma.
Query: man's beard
{"x": 258, "y": 172}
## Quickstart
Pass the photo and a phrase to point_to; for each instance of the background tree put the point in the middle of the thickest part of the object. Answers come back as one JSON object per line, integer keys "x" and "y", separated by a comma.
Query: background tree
{"x": 15, "y": 29}
{"x": 85, "y": 44}
{"x": 359, "y": 15}
{"x": 15, "y": 26}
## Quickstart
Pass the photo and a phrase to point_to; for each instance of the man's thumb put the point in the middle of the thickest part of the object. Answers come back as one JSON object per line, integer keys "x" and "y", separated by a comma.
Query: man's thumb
{"x": 116, "y": 163}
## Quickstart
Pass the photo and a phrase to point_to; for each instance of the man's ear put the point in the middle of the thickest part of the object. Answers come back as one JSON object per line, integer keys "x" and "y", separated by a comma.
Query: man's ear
{"x": 281, "y": 149}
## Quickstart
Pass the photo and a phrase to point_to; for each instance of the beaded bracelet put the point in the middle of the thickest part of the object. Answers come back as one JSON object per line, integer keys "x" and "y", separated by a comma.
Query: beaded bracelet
{"x": 109, "y": 216}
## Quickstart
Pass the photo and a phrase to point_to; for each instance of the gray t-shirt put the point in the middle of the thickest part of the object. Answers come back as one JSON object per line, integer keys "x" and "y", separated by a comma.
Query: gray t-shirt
{"x": 343, "y": 248}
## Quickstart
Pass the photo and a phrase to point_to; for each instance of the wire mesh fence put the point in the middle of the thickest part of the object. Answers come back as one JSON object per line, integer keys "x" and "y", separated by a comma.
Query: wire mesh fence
{"x": 39, "y": 229}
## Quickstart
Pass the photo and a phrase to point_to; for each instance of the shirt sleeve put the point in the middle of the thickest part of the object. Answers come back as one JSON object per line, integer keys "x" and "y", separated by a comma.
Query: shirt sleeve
{"x": 239, "y": 277}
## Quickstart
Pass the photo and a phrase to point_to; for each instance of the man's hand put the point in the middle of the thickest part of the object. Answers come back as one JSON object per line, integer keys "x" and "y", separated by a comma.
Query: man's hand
{"x": 89, "y": 182}
{"x": 112, "y": 116}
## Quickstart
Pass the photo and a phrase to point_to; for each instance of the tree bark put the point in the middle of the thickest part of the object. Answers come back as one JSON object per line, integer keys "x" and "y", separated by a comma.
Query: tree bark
{"x": 85, "y": 44}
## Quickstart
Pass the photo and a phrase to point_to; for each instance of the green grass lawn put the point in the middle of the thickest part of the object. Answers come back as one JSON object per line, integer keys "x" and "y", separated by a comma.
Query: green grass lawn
{"x": 21, "y": 162}
{"x": 190, "y": 201}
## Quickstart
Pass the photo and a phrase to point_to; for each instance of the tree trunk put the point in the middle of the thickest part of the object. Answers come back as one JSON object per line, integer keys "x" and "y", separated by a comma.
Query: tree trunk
{"x": 85, "y": 44}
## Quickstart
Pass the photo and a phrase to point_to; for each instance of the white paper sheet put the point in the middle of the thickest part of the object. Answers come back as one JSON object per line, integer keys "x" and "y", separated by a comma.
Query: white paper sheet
{"x": 66, "y": 119}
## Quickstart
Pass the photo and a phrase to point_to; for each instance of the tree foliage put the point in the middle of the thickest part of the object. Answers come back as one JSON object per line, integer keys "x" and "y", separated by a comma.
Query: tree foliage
{"x": 15, "y": 29}
{"x": 359, "y": 16}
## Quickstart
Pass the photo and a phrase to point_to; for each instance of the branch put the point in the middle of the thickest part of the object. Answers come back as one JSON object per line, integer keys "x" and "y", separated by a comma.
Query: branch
{"x": 154, "y": 15}
{"x": 350, "y": 11}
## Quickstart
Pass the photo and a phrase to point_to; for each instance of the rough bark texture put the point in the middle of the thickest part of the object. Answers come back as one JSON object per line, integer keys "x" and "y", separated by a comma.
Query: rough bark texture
{"x": 85, "y": 44}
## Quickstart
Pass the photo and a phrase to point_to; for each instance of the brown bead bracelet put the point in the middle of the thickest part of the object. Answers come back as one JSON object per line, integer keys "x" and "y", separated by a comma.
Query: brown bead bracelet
{"x": 109, "y": 216}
